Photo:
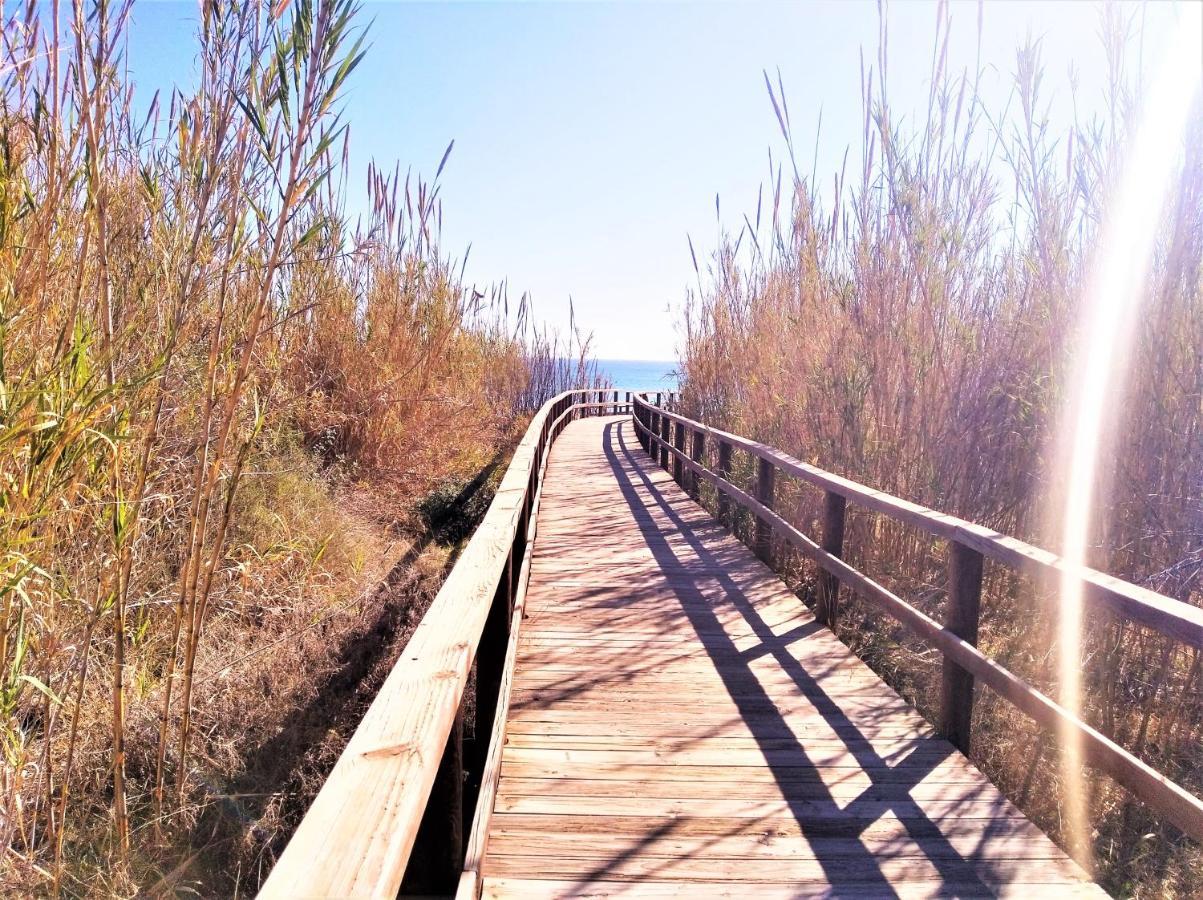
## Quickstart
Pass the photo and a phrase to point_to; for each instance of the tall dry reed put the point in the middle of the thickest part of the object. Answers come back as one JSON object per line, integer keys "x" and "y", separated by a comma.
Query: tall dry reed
{"x": 204, "y": 360}
{"x": 909, "y": 327}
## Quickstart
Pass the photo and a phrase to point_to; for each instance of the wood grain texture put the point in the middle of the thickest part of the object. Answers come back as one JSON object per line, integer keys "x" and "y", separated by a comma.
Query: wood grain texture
{"x": 679, "y": 725}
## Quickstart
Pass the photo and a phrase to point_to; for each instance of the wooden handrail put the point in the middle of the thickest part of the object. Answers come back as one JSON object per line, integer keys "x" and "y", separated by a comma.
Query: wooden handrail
{"x": 469, "y": 887}
{"x": 356, "y": 838}
{"x": 957, "y": 639}
{"x": 1171, "y": 617}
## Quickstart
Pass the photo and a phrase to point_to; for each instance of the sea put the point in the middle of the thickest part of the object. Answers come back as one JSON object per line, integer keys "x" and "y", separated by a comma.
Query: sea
{"x": 640, "y": 374}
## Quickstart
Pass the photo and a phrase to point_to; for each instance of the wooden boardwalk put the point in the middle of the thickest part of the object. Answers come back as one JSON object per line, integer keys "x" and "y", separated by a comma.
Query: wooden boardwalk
{"x": 681, "y": 726}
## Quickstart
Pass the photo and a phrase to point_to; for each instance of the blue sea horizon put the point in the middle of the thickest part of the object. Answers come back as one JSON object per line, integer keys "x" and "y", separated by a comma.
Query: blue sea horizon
{"x": 640, "y": 374}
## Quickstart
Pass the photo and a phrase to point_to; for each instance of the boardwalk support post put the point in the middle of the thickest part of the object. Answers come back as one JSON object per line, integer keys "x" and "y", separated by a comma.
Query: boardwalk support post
{"x": 724, "y": 472}
{"x": 697, "y": 451}
{"x": 964, "y": 605}
{"x": 827, "y": 608}
{"x": 766, "y": 477}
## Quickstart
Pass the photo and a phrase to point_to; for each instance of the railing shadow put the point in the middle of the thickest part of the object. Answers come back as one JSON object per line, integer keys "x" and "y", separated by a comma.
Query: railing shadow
{"x": 817, "y": 812}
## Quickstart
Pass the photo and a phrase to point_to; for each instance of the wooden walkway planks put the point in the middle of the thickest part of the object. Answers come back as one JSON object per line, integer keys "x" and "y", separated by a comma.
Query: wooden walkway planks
{"x": 680, "y": 726}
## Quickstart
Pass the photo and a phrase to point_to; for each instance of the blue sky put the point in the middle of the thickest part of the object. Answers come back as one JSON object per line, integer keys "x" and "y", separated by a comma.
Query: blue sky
{"x": 590, "y": 139}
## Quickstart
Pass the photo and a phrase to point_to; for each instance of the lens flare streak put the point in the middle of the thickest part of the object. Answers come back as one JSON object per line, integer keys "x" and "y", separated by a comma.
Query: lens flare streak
{"x": 1109, "y": 317}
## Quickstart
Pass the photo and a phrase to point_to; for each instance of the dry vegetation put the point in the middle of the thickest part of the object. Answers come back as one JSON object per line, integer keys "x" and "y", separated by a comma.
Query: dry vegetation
{"x": 241, "y": 432}
{"x": 230, "y": 415}
{"x": 909, "y": 329}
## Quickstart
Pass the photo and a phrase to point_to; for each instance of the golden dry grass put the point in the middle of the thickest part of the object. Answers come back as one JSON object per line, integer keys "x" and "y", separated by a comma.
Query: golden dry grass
{"x": 222, "y": 400}
{"x": 910, "y": 331}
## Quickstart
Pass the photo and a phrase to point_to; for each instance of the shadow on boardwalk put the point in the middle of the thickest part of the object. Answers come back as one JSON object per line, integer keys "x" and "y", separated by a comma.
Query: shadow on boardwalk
{"x": 857, "y": 868}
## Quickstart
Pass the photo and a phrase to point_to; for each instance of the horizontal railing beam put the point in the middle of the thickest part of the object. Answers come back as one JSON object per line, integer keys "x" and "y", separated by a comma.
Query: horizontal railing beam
{"x": 1170, "y": 617}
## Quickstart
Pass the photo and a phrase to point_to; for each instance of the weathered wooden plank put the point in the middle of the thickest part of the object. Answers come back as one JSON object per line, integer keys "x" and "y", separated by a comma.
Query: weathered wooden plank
{"x": 784, "y": 744}
{"x": 652, "y": 889}
{"x": 648, "y": 828}
{"x": 815, "y": 728}
{"x": 967, "y": 788}
{"x": 628, "y": 704}
{"x": 589, "y": 845}
{"x": 884, "y": 870}
{"x": 703, "y": 755}
{"x": 907, "y": 771}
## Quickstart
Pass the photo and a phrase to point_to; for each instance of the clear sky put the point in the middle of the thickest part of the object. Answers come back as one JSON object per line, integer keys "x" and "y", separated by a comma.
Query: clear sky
{"x": 590, "y": 139}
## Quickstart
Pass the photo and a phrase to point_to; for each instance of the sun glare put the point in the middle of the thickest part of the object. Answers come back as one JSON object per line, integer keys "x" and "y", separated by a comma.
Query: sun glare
{"x": 1109, "y": 315}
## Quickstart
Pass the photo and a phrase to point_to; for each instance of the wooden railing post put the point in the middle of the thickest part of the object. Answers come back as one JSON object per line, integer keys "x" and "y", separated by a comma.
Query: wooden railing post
{"x": 766, "y": 477}
{"x": 964, "y": 606}
{"x": 490, "y": 654}
{"x": 724, "y": 472}
{"x": 679, "y": 445}
{"x": 664, "y": 424}
{"x": 697, "y": 452}
{"x": 447, "y": 796}
{"x": 438, "y": 849}
{"x": 827, "y": 608}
